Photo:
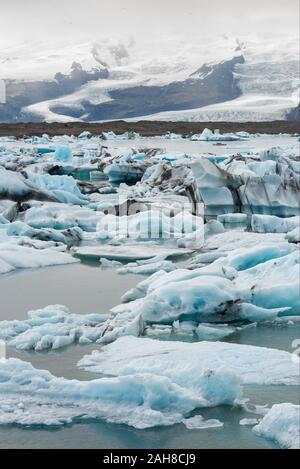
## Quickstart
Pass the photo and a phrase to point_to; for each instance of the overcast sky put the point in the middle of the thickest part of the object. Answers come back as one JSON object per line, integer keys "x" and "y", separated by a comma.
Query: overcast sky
{"x": 92, "y": 19}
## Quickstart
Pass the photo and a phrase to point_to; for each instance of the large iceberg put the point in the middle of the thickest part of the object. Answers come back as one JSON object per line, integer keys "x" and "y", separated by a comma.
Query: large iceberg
{"x": 184, "y": 362}
{"x": 263, "y": 284}
{"x": 36, "y": 397}
{"x": 240, "y": 184}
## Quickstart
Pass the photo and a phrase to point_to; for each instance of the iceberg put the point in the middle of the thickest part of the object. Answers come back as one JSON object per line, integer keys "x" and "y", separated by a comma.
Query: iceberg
{"x": 273, "y": 224}
{"x": 129, "y": 252}
{"x": 62, "y": 216}
{"x": 14, "y": 186}
{"x": 36, "y": 397}
{"x": 282, "y": 425}
{"x": 64, "y": 188}
{"x": 184, "y": 362}
{"x": 199, "y": 423}
{"x": 52, "y": 327}
{"x": 17, "y": 256}
{"x": 63, "y": 154}
{"x": 240, "y": 184}
{"x": 148, "y": 267}
{"x": 149, "y": 224}
{"x": 260, "y": 283}
{"x": 208, "y": 136}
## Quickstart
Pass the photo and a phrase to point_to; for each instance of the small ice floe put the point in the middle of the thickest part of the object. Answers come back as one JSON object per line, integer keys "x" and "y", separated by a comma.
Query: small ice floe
{"x": 52, "y": 328}
{"x": 248, "y": 421}
{"x": 199, "y": 423}
{"x": 129, "y": 252}
{"x": 148, "y": 266}
{"x": 282, "y": 425}
{"x": 28, "y": 253}
{"x": 109, "y": 264}
{"x": 185, "y": 362}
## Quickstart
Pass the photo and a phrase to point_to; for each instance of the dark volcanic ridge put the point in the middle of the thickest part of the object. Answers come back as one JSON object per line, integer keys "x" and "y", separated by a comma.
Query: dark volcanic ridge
{"x": 146, "y": 128}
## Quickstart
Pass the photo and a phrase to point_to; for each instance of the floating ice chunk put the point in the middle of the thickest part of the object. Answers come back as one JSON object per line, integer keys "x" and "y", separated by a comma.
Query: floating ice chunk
{"x": 62, "y": 216}
{"x": 184, "y": 363}
{"x": 51, "y": 328}
{"x": 129, "y": 252}
{"x": 69, "y": 236}
{"x": 192, "y": 298}
{"x": 272, "y": 224}
{"x": 63, "y": 187}
{"x": 33, "y": 397}
{"x": 153, "y": 224}
{"x": 213, "y": 332}
{"x": 248, "y": 421}
{"x": 274, "y": 283}
{"x": 14, "y": 186}
{"x": 199, "y": 423}
{"x": 264, "y": 276}
{"x": 209, "y": 136}
{"x": 14, "y": 256}
{"x": 148, "y": 268}
{"x": 109, "y": 135}
{"x": 282, "y": 425}
{"x": 63, "y": 154}
{"x": 85, "y": 134}
{"x": 107, "y": 264}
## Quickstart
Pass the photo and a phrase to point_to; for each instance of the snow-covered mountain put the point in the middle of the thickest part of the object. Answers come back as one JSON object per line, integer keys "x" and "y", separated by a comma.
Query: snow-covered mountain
{"x": 201, "y": 79}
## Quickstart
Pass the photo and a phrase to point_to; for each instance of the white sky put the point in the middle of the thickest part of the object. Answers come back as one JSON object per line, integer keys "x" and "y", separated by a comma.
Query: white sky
{"x": 54, "y": 20}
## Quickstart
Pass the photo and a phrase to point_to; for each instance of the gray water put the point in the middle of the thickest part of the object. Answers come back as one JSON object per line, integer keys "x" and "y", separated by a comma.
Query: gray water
{"x": 194, "y": 147}
{"x": 87, "y": 288}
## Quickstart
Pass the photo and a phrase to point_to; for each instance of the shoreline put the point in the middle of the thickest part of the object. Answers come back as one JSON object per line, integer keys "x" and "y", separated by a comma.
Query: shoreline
{"x": 146, "y": 128}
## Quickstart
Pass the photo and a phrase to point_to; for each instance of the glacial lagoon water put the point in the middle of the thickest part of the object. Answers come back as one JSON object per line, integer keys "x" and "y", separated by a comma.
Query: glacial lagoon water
{"x": 86, "y": 288}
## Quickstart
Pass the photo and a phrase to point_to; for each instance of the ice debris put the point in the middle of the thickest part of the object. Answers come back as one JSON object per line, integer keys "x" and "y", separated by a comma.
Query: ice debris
{"x": 52, "y": 327}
